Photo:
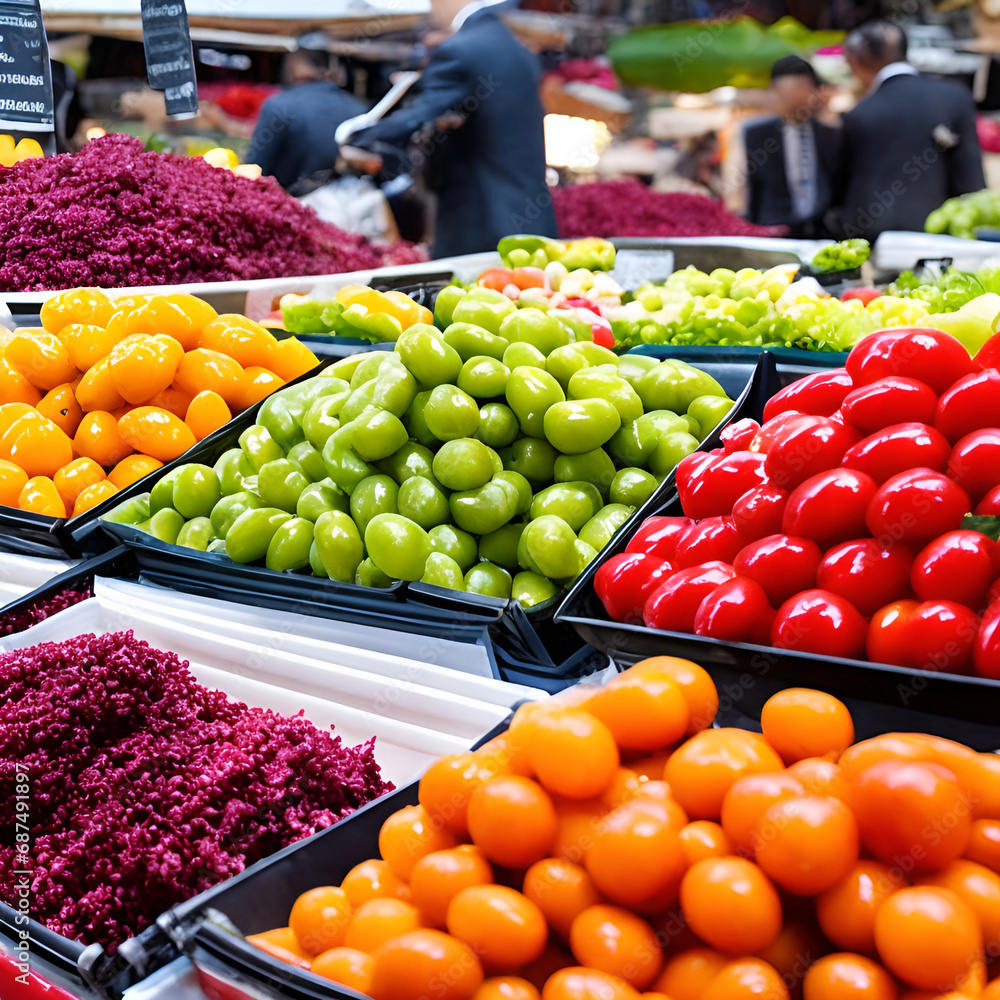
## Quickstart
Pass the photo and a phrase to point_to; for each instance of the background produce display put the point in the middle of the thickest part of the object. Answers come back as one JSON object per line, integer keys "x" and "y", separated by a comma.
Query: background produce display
{"x": 842, "y": 525}
{"x": 612, "y": 844}
{"x": 963, "y": 215}
{"x": 108, "y": 391}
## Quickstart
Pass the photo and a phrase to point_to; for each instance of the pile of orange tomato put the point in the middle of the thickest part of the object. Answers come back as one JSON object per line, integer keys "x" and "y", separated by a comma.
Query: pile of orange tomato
{"x": 106, "y": 392}
{"x": 610, "y": 845}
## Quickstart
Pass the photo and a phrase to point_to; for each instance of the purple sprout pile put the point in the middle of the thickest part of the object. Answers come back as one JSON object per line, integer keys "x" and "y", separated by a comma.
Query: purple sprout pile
{"x": 147, "y": 788}
{"x": 18, "y": 621}
{"x": 114, "y": 215}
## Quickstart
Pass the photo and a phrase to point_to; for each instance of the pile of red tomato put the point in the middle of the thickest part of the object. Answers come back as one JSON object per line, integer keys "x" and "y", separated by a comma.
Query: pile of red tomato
{"x": 841, "y": 525}
{"x": 612, "y": 845}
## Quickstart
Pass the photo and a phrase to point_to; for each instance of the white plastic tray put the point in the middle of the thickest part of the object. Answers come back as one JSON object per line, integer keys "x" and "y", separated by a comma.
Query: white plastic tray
{"x": 20, "y": 575}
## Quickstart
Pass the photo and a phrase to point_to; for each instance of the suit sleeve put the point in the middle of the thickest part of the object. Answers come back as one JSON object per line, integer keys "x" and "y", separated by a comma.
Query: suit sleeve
{"x": 445, "y": 84}
{"x": 965, "y": 172}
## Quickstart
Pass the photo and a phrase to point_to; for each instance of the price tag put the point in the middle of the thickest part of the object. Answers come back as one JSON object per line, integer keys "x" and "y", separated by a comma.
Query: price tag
{"x": 26, "y": 103}
{"x": 635, "y": 267}
{"x": 169, "y": 55}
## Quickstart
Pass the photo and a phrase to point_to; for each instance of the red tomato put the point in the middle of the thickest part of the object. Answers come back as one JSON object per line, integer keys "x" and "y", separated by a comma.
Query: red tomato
{"x": 782, "y": 564}
{"x": 804, "y": 447}
{"x": 817, "y": 621}
{"x": 759, "y": 512}
{"x": 866, "y": 574}
{"x": 712, "y": 539}
{"x": 658, "y": 536}
{"x": 863, "y": 295}
{"x": 766, "y": 435}
{"x": 625, "y": 582}
{"x": 972, "y": 402}
{"x": 602, "y": 336}
{"x": 986, "y": 652}
{"x": 915, "y": 507}
{"x": 989, "y": 506}
{"x": 928, "y": 635}
{"x": 820, "y": 394}
{"x": 690, "y": 466}
{"x": 718, "y": 485}
{"x": 497, "y": 278}
{"x": 674, "y": 605}
{"x": 930, "y": 356}
{"x": 736, "y": 611}
{"x": 959, "y": 566}
{"x": 989, "y": 353}
{"x": 830, "y": 507}
{"x": 888, "y": 634}
{"x": 899, "y": 448}
{"x": 888, "y": 401}
{"x": 738, "y": 436}
{"x": 975, "y": 462}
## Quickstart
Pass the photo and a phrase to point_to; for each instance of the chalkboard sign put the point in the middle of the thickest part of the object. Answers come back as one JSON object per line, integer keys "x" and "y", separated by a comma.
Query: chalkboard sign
{"x": 26, "y": 103}
{"x": 169, "y": 56}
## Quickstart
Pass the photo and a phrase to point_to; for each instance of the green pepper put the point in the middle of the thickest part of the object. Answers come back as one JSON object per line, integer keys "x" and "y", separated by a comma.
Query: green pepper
{"x": 483, "y": 377}
{"x": 259, "y": 447}
{"x": 338, "y": 545}
{"x": 369, "y": 575}
{"x": 709, "y": 411}
{"x": 359, "y": 401}
{"x": 345, "y": 368}
{"x": 489, "y": 580}
{"x": 523, "y": 243}
{"x": 455, "y": 543}
{"x": 480, "y": 511}
{"x": 415, "y": 422}
{"x": 591, "y": 253}
{"x": 442, "y": 571}
{"x": 580, "y": 425}
{"x": 473, "y": 341}
{"x": 632, "y": 366}
{"x": 529, "y": 589}
{"x": 670, "y": 449}
{"x": 358, "y": 321}
{"x": 133, "y": 511}
{"x": 564, "y": 362}
{"x": 450, "y": 413}
{"x": 530, "y": 393}
{"x": 533, "y": 458}
{"x": 166, "y": 525}
{"x": 500, "y": 546}
{"x": 374, "y": 495}
{"x": 282, "y": 412}
{"x": 315, "y": 563}
{"x": 600, "y": 529}
{"x": 570, "y": 501}
{"x": 318, "y": 498}
{"x": 225, "y": 512}
{"x": 485, "y": 308}
{"x": 594, "y": 467}
{"x": 522, "y": 489}
{"x": 300, "y": 314}
{"x": 344, "y": 467}
{"x": 532, "y": 326}
{"x": 196, "y": 534}
{"x": 289, "y": 547}
{"x": 161, "y": 496}
{"x": 395, "y": 387}
{"x": 321, "y": 419}
{"x": 196, "y": 491}
{"x": 308, "y": 460}
{"x": 595, "y": 383}
{"x": 398, "y": 546}
{"x": 251, "y": 533}
{"x": 378, "y": 434}
{"x": 548, "y": 548}
{"x": 280, "y": 484}
{"x": 579, "y": 330}
{"x": 421, "y": 500}
{"x": 444, "y": 306}
{"x": 633, "y": 487}
{"x": 368, "y": 368}
{"x": 463, "y": 464}
{"x": 674, "y": 385}
{"x": 427, "y": 357}
{"x": 231, "y": 467}
{"x": 412, "y": 459}
{"x": 498, "y": 426}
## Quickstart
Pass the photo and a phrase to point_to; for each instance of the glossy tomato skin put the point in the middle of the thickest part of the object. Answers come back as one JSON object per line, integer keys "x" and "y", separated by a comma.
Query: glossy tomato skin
{"x": 658, "y": 536}
{"x": 972, "y": 402}
{"x": 625, "y": 582}
{"x": 718, "y": 484}
{"x": 820, "y": 394}
{"x": 990, "y": 504}
{"x": 805, "y": 446}
{"x": 975, "y": 462}
{"x": 830, "y": 507}
{"x": 817, "y": 621}
{"x": 937, "y": 359}
{"x": 891, "y": 400}
{"x": 759, "y": 512}
{"x": 958, "y": 566}
{"x": 986, "y": 652}
{"x": 988, "y": 355}
{"x": 899, "y": 448}
{"x": 865, "y": 573}
{"x": 736, "y": 611}
{"x": 712, "y": 539}
{"x": 863, "y": 295}
{"x": 942, "y": 635}
{"x": 690, "y": 466}
{"x": 739, "y": 435}
{"x": 915, "y": 507}
{"x": 783, "y": 565}
{"x": 888, "y": 639}
{"x": 675, "y": 603}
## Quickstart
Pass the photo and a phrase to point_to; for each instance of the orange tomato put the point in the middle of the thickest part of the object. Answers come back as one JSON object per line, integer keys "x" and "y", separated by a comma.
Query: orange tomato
{"x": 438, "y": 877}
{"x": 512, "y": 821}
{"x": 577, "y": 823}
{"x": 687, "y": 974}
{"x": 12, "y": 480}
{"x": 986, "y": 794}
{"x": 319, "y": 919}
{"x": 372, "y": 880}
{"x": 40, "y": 448}
{"x": 889, "y": 746}
{"x": 703, "y": 769}
{"x": 86, "y": 345}
{"x": 447, "y": 786}
{"x": 797, "y": 946}
{"x": 200, "y": 369}
{"x": 40, "y": 496}
{"x": 281, "y": 944}
{"x": 667, "y": 806}
{"x": 799, "y": 723}
{"x": 347, "y": 966}
{"x": 131, "y": 469}
{"x": 60, "y": 406}
{"x": 984, "y": 843}
{"x": 506, "y": 988}
{"x": 747, "y": 801}
{"x": 820, "y": 777}
{"x": 505, "y": 755}
{"x": 156, "y": 432}
{"x": 181, "y": 317}
{"x": 643, "y": 711}
{"x": 242, "y": 339}
{"x": 624, "y": 787}
{"x": 257, "y": 384}
{"x": 504, "y": 928}
{"x": 76, "y": 476}
{"x": 578, "y": 983}
{"x": 143, "y": 367}
{"x": 980, "y": 888}
{"x": 574, "y": 754}
{"x": 97, "y": 391}
{"x": 378, "y": 921}
{"x": 808, "y": 844}
{"x": 77, "y": 305}
{"x": 731, "y": 905}
{"x": 92, "y": 496}
{"x": 848, "y": 977}
{"x": 97, "y": 437}
{"x": 704, "y": 839}
{"x": 41, "y": 358}
{"x": 10, "y": 414}
{"x": 695, "y": 683}
{"x": 206, "y": 414}
{"x": 291, "y": 358}
{"x": 618, "y": 942}
{"x": 174, "y": 400}
{"x": 410, "y": 968}
{"x": 561, "y": 890}
{"x": 409, "y": 835}
{"x": 847, "y": 910}
{"x": 992, "y": 992}
{"x": 746, "y": 979}
{"x": 650, "y": 768}
{"x": 14, "y": 387}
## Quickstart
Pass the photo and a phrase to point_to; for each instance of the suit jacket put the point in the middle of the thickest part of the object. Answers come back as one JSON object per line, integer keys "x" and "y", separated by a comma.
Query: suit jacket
{"x": 489, "y": 173}
{"x": 907, "y": 148}
{"x": 769, "y": 199}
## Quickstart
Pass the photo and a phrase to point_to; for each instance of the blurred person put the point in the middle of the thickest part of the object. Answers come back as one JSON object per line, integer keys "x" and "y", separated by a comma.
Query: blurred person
{"x": 476, "y": 121}
{"x": 909, "y": 144}
{"x": 792, "y": 159}
{"x": 294, "y": 136}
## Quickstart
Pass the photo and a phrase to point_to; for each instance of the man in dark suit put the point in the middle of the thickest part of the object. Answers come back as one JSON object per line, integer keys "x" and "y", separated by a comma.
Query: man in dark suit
{"x": 791, "y": 159}
{"x": 909, "y": 144}
{"x": 477, "y": 123}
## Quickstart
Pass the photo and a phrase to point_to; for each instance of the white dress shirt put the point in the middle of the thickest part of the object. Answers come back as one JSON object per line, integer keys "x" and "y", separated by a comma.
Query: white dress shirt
{"x": 893, "y": 69}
